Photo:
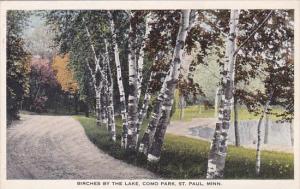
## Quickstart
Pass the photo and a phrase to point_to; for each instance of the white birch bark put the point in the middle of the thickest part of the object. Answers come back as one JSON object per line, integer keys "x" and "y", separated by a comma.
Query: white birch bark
{"x": 236, "y": 123}
{"x": 98, "y": 105}
{"x": 218, "y": 148}
{"x": 104, "y": 99}
{"x": 258, "y": 146}
{"x": 97, "y": 81}
{"x": 266, "y": 138}
{"x": 132, "y": 92}
{"x": 155, "y": 116}
{"x": 217, "y": 99}
{"x": 144, "y": 108}
{"x": 170, "y": 82}
{"x": 120, "y": 81}
{"x": 97, "y": 88}
{"x": 141, "y": 55}
{"x": 91, "y": 43}
{"x": 110, "y": 106}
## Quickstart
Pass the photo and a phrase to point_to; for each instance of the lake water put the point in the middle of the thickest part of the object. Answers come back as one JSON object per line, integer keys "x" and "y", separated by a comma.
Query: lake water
{"x": 279, "y": 133}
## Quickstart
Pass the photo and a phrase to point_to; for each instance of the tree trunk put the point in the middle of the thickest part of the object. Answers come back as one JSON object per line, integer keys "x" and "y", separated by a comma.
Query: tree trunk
{"x": 76, "y": 102}
{"x": 86, "y": 109}
{"x": 217, "y": 99}
{"x": 97, "y": 81}
{"x": 257, "y": 161}
{"x": 258, "y": 146}
{"x": 155, "y": 116}
{"x": 171, "y": 81}
{"x": 182, "y": 105}
{"x": 218, "y": 149}
{"x": 97, "y": 88}
{"x": 132, "y": 94}
{"x": 140, "y": 60}
{"x": 35, "y": 96}
{"x": 104, "y": 99}
{"x": 266, "y": 138}
{"x": 236, "y": 124}
{"x": 69, "y": 104}
{"x": 110, "y": 105}
{"x": 98, "y": 106}
{"x": 120, "y": 81}
{"x": 143, "y": 110}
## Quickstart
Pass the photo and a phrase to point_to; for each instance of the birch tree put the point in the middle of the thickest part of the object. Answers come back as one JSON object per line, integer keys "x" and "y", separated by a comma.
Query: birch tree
{"x": 85, "y": 43}
{"x": 236, "y": 121}
{"x": 163, "y": 32}
{"x": 218, "y": 149}
{"x": 270, "y": 60}
{"x": 120, "y": 81}
{"x": 133, "y": 84}
{"x": 170, "y": 84}
{"x": 258, "y": 147}
{"x": 160, "y": 45}
{"x": 110, "y": 105}
{"x": 156, "y": 112}
{"x": 155, "y": 116}
{"x": 135, "y": 67}
{"x": 145, "y": 104}
{"x": 156, "y": 70}
{"x": 98, "y": 78}
{"x": 141, "y": 53}
{"x": 266, "y": 137}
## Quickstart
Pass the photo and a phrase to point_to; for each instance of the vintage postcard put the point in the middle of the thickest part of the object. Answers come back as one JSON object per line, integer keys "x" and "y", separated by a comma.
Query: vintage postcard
{"x": 147, "y": 94}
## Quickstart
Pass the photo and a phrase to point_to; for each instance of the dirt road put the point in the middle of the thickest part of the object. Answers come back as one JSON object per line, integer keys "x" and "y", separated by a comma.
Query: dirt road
{"x": 56, "y": 147}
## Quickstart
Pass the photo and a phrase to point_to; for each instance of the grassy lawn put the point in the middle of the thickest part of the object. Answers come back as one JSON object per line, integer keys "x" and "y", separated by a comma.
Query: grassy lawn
{"x": 186, "y": 158}
{"x": 198, "y": 111}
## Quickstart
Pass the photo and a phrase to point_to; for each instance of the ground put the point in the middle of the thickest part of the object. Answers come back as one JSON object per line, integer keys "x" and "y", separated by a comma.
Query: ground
{"x": 56, "y": 147}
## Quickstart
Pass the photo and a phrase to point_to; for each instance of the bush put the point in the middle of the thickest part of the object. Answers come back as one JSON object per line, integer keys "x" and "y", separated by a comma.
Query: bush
{"x": 39, "y": 104}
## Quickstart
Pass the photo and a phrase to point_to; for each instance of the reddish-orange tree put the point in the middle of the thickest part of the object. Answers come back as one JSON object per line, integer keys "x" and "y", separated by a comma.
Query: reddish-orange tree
{"x": 65, "y": 78}
{"x": 64, "y": 75}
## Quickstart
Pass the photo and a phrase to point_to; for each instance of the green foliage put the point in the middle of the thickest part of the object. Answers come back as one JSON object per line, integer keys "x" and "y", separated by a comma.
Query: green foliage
{"x": 271, "y": 61}
{"x": 17, "y": 62}
{"x": 196, "y": 111}
{"x": 186, "y": 158}
{"x": 71, "y": 37}
{"x": 208, "y": 75}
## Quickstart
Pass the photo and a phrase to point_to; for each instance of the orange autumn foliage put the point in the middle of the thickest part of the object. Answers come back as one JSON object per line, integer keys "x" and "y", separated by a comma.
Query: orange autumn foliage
{"x": 64, "y": 75}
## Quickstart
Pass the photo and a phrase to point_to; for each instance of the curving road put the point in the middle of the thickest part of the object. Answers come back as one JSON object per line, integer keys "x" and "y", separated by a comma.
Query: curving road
{"x": 56, "y": 147}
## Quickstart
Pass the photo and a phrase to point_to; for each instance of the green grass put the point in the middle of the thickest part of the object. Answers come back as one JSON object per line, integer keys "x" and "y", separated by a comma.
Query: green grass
{"x": 198, "y": 111}
{"x": 186, "y": 158}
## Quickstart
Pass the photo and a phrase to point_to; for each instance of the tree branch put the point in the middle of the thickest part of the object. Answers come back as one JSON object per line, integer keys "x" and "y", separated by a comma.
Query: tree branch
{"x": 253, "y": 32}
{"x": 90, "y": 40}
{"x": 192, "y": 22}
{"x": 91, "y": 71}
